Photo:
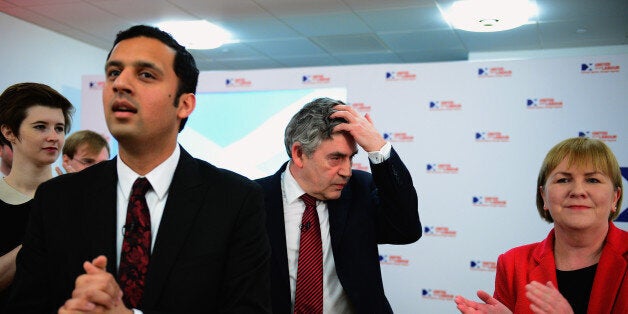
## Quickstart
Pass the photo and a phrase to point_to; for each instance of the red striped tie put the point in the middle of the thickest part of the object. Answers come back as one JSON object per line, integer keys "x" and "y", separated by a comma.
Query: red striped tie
{"x": 309, "y": 295}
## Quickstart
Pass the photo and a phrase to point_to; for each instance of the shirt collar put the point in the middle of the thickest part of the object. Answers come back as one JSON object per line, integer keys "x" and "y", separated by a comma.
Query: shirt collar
{"x": 159, "y": 178}
{"x": 292, "y": 189}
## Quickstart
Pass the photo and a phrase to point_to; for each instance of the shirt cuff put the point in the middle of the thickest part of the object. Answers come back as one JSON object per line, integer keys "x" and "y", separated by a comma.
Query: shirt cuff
{"x": 382, "y": 155}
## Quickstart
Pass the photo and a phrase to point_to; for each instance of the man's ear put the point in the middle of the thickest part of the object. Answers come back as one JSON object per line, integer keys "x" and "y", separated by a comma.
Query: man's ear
{"x": 187, "y": 103}
{"x": 297, "y": 154}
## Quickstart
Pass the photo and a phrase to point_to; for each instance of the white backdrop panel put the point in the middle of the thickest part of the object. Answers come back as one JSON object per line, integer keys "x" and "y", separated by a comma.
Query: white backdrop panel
{"x": 473, "y": 135}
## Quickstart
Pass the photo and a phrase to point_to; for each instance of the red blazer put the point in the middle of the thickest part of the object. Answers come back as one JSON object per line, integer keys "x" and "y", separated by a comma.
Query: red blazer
{"x": 521, "y": 265}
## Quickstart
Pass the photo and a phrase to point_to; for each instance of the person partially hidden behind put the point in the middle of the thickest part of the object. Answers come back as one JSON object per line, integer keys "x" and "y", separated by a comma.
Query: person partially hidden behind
{"x": 325, "y": 220}
{"x": 6, "y": 159}
{"x": 34, "y": 119}
{"x": 83, "y": 149}
{"x": 153, "y": 230}
{"x": 582, "y": 265}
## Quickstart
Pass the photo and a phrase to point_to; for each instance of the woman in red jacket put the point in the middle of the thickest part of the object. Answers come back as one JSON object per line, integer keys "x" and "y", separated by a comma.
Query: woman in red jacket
{"x": 582, "y": 265}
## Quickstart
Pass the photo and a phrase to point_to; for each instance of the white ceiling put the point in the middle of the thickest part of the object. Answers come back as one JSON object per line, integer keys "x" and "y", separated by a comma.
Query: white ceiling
{"x": 301, "y": 33}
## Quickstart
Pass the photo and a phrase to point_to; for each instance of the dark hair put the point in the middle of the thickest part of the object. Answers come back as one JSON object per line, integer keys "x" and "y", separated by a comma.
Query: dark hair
{"x": 94, "y": 141}
{"x": 184, "y": 64}
{"x": 312, "y": 125}
{"x": 18, "y": 98}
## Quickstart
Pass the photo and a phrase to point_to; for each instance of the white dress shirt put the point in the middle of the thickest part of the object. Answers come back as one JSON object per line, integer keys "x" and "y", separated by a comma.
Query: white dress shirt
{"x": 160, "y": 179}
{"x": 335, "y": 299}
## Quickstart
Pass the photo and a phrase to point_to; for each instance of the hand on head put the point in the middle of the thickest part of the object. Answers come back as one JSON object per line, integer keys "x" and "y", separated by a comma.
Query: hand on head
{"x": 490, "y": 305}
{"x": 360, "y": 127}
{"x": 96, "y": 291}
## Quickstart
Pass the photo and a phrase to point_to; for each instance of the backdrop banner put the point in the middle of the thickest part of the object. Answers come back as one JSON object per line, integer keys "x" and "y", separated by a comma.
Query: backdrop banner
{"x": 473, "y": 135}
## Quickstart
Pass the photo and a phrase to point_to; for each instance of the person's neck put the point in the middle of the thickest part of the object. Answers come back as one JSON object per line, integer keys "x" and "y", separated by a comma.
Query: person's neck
{"x": 576, "y": 249}
{"x": 26, "y": 178}
{"x": 144, "y": 160}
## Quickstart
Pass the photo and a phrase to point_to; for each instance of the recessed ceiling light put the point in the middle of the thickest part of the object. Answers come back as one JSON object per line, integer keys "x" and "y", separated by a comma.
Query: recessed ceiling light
{"x": 489, "y": 15}
{"x": 196, "y": 34}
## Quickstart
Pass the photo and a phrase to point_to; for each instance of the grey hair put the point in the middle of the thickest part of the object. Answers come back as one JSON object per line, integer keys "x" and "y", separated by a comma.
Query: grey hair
{"x": 312, "y": 125}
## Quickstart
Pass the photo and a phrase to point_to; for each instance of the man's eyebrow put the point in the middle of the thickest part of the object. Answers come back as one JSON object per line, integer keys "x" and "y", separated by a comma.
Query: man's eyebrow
{"x": 339, "y": 154}
{"x": 137, "y": 64}
{"x": 113, "y": 63}
{"x": 149, "y": 65}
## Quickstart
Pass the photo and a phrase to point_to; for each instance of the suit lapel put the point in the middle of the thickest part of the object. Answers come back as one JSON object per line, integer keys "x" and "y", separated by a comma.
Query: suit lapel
{"x": 100, "y": 206}
{"x": 275, "y": 223}
{"x": 185, "y": 197}
{"x": 545, "y": 269}
{"x": 338, "y": 213}
{"x": 276, "y": 230}
{"x": 611, "y": 270}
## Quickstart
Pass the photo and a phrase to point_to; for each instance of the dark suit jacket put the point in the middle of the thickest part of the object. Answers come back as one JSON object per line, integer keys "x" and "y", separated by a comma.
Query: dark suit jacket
{"x": 211, "y": 254}
{"x": 372, "y": 209}
{"x": 519, "y": 266}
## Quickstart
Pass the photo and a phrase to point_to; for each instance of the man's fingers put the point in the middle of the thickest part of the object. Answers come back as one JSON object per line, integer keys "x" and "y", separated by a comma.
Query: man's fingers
{"x": 100, "y": 262}
{"x": 76, "y": 305}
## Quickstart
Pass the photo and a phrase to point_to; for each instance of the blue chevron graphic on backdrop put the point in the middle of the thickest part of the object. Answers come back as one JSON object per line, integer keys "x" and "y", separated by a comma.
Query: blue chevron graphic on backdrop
{"x": 623, "y": 216}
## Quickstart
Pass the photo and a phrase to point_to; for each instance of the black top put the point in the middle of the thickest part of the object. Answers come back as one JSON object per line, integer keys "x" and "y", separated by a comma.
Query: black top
{"x": 13, "y": 219}
{"x": 575, "y": 286}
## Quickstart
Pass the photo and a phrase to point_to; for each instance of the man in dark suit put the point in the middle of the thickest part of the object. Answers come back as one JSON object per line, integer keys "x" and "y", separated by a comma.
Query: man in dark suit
{"x": 354, "y": 215}
{"x": 209, "y": 252}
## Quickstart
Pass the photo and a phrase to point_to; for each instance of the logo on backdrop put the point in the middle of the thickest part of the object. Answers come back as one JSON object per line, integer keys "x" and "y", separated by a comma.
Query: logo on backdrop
{"x": 491, "y": 137}
{"x": 598, "y": 67}
{"x": 396, "y": 260}
{"x": 543, "y": 103}
{"x": 359, "y": 166}
{"x": 494, "y": 72}
{"x": 98, "y": 85}
{"x": 400, "y": 76}
{"x": 398, "y": 137}
{"x": 444, "y": 105}
{"x": 237, "y": 82}
{"x": 488, "y": 201}
{"x": 477, "y": 265}
{"x": 438, "y": 231}
{"x": 361, "y": 107}
{"x": 437, "y": 294}
{"x": 623, "y": 216}
{"x": 315, "y": 79}
{"x": 441, "y": 168}
{"x": 599, "y": 135}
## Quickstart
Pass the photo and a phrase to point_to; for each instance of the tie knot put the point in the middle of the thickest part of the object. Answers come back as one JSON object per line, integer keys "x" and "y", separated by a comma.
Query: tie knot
{"x": 309, "y": 200}
{"x": 140, "y": 186}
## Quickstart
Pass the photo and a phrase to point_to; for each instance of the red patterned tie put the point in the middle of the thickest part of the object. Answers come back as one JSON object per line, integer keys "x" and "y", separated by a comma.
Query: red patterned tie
{"x": 136, "y": 245}
{"x": 309, "y": 295}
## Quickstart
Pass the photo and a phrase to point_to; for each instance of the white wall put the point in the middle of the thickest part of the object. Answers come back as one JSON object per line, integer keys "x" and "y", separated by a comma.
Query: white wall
{"x": 34, "y": 54}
